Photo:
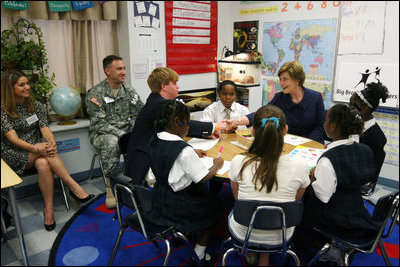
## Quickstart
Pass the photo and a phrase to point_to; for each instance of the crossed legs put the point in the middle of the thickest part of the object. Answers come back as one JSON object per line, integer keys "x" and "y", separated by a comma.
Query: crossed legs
{"x": 46, "y": 166}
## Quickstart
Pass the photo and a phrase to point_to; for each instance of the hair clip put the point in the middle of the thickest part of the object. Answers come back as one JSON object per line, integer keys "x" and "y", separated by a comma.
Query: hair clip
{"x": 275, "y": 120}
{"x": 180, "y": 100}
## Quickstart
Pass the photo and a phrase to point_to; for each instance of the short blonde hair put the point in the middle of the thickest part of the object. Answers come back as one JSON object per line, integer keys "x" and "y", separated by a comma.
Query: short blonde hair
{"x": 295, "y": 70}
{"x": 161, "y": 75}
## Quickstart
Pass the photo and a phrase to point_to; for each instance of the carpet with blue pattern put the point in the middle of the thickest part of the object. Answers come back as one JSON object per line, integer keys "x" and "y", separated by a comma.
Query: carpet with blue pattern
{"x": 88, "y": 238}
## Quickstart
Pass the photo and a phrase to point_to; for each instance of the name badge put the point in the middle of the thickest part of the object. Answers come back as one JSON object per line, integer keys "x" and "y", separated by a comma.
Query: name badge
{"x": 108, "y": 99}
{"x": 32, "y": 119}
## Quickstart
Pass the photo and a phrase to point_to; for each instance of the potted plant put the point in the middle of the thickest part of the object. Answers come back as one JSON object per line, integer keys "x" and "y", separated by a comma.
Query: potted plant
{"x": 22, "y": 48}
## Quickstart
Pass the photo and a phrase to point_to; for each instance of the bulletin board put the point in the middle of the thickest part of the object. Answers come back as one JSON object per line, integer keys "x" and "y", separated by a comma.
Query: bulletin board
{"x": 191, "y": 36}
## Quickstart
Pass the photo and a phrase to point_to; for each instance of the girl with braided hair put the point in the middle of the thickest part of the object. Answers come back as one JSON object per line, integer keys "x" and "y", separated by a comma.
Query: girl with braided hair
{"x": 180, "y": 197}
{"x": 333, "y": 199}
{"x": 366, "y": 101}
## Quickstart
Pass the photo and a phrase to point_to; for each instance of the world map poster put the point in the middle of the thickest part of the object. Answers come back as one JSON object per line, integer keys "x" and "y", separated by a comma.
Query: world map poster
{"x": 312, "y": 42}
{"x": 271, "y": 86}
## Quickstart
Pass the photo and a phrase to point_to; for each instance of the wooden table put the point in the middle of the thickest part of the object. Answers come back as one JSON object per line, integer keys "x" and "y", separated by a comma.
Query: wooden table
{"x": 8, "y": 180}
{"x": 230, "y": 150}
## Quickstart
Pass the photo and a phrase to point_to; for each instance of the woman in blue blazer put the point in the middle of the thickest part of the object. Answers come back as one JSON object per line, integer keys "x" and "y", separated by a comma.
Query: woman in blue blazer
{"x": 303, "y": 108}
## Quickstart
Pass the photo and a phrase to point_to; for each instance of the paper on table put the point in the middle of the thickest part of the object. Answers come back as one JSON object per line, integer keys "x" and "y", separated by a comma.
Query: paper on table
{"x": 208, "y": 162}
{"x": 295, "y": 140}
{"x": 237, "y": 143}
{"x": 311, "y": 155}
{"x": 200, "y": 143}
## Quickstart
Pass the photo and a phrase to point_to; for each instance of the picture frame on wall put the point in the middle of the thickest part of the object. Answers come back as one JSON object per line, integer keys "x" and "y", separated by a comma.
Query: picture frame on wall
{"x": 199, "y": 99}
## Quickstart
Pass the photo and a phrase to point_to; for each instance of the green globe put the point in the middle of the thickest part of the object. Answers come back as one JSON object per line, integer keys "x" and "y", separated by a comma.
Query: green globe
{"x": 65, "y": 101}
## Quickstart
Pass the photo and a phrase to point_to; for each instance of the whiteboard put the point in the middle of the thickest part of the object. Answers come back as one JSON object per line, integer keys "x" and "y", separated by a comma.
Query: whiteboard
{"x": 362, "y": 27}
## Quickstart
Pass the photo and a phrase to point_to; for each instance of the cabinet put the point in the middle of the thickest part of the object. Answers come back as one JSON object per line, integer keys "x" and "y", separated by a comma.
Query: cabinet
{"x": 246, "y": 73}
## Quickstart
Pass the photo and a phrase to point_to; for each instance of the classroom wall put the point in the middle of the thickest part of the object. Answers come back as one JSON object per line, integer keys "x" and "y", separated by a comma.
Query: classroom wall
{"x": 133, "y": 50}
{"x": 228, "y": 13}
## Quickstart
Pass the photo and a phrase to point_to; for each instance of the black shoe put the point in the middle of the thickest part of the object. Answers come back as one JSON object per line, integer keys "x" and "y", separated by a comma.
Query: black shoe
{"x": 204, "y": 262}
{"x": 48, "y": 227}
{"x": 177, "y": 242}
{"x": 211, "y": 261}
{"x": 80, "y": 200}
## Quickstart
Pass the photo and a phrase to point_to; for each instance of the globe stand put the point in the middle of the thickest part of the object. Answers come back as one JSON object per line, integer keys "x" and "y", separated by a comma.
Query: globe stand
{"x": 66, "y": 123}
{"x": 66, "y": 120}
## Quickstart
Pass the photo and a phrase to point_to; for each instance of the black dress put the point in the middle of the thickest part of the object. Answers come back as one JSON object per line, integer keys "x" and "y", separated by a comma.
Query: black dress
{"x": 192, "y": 209}
{"x": 14, "y": 156}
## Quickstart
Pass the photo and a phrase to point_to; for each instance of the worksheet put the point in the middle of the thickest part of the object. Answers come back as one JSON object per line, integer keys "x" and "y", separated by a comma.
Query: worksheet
{"x": 295, "y": 140}
{"x": 201, "y": 143}
{"x": 311, "y": 155}
{"x": 208, "y": 162}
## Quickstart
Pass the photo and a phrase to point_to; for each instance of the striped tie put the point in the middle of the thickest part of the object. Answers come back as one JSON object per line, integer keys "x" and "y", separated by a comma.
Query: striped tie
{"x": 228, "y": 113}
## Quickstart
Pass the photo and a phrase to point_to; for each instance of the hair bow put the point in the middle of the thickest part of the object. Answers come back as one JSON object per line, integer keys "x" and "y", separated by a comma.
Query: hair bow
{"x": 275, "y": 120}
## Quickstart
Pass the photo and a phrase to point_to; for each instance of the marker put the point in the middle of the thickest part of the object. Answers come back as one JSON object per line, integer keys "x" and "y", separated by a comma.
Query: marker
{"x": 220, "y": 151}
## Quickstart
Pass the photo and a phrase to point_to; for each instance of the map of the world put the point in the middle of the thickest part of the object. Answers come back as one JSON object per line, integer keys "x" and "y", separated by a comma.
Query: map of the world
{"x": 311, "y": 42}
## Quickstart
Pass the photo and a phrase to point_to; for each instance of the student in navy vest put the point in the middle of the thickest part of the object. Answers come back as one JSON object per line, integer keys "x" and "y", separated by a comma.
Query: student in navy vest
{"x": 163, "y": 83}
{"x": 303, "y": 107}
{"x": 180, "y": 197}
{"x": 334, "y": 199}
{"x": 366, "y": 101}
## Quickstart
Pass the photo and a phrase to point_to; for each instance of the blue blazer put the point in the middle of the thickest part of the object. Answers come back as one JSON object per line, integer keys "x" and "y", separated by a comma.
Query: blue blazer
{"x": 137, "y": 159}
{"x": 306, "y": 118}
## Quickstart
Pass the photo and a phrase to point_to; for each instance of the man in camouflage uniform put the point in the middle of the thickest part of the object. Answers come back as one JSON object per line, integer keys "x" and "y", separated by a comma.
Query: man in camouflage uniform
{"x": 113, "y": 108}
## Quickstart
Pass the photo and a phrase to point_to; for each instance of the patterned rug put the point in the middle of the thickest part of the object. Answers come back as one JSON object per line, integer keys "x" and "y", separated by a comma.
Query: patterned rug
{"x": 88, "y": 238}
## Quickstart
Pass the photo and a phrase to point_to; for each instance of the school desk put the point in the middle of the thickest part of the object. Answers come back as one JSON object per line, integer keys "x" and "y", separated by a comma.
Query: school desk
{"x": 8, "y": 180}
{"x": 230, "y": 150}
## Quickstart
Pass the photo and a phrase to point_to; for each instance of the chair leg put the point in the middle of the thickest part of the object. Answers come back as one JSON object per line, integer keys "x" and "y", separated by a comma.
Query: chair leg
{"x": 194, "y": 255}
{"x": 116, "y": 245}
{"x": 295, "y": 257}
{"x": 92, "y": 164}
{"x": 64, "y": 194}
{"x": 226, "y": 255}
{"x": 102, "y": 171}
{"x": 155, "y": 243}
{"x": 384, "y": 253}
{"x": 168, "y": 252}
{"x": 322, "y": 250}
{"x": 3, "y": 227}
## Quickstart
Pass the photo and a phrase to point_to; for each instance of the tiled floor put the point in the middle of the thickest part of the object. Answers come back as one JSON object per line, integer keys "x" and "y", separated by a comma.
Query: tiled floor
{"x": 38, "y": 241}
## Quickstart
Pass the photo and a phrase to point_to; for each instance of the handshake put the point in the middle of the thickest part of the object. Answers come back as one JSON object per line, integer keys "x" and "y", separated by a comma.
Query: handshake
{"x": 230, "y": 125}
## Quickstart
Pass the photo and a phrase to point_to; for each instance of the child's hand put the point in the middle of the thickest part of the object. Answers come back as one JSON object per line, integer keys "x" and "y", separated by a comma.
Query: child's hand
{"x": 201, "y": 153}
{"x": 218, "y": 162}
{"x": 312, "y": 176}
{"x": 215, "y": 136}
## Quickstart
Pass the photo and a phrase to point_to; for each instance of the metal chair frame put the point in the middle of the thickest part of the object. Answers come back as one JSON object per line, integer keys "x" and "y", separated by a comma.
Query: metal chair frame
{"x": 34, "y": 171}
{"x": 274, "y": 213}
{"x": 167, "y": 232}
{"x": 390, "y": 212}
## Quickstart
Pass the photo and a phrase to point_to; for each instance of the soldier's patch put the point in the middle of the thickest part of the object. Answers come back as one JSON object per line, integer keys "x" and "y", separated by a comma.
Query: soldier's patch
{"x": 94, "y": 100}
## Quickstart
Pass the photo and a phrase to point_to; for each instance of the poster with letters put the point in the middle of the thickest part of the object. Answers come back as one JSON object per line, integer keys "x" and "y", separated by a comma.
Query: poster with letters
{"x": 353, "y": 77}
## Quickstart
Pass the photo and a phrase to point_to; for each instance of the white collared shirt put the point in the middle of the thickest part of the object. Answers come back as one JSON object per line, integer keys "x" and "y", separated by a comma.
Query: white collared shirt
{"x": 367, "y": 124}
{"x": 216, "y": 112}
{"x": 326, "y": 180}
{"x": 187, "y": 167}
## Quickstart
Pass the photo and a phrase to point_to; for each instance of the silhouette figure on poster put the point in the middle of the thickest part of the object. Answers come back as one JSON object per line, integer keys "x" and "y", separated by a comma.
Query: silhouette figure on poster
{"x": 364, "y": 78}
{"x": 378, "y": 72}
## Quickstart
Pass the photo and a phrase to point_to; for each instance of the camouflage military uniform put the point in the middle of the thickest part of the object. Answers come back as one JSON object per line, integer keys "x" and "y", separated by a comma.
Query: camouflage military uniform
{"x": 110, "y": 118}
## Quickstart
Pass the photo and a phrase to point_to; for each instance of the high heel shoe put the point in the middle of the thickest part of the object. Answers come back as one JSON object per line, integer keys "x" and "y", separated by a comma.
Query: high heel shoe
{"x": 80, "y": 200}
{"x": 48, "y": 227}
